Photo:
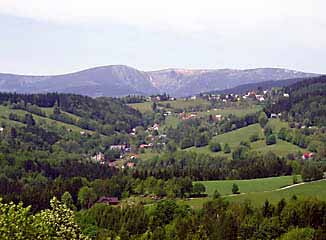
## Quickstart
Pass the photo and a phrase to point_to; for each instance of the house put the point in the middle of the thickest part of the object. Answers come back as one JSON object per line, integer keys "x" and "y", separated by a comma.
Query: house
{"x": 112, "y": 164}
{"x": 307, "y": 156}
{"x": 218, "y": 117}
{"x": 99, "y": 157}
{"x": 156, "y": 127}
{"x": 185, "y": 116}
{"x": 120, "y": 147}
{"x": 1, "y": 129}
{"x": 273, "y": 115}
{"x": 162, "y": 136}
{"x": 286, "y": 95}
{"x": 146, "y": 145}
{"x": 131, "y": 164}
{"x": 109, "y": 200}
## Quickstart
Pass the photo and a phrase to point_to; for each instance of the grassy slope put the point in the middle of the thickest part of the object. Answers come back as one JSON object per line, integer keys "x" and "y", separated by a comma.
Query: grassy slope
{"x": 268, "y": 191}
{"x": 237, "y": 111}
{"x": 181, "y": 103}
{"x": 234, "y": 138}
{"x": 314, "y": 189}
{"x": 255, "y": 185}
{"x": 177, "y": 104}
{"x": 142, "y": 107}
{"x": 49, "y": 111}
{"x": 5, "y": 111}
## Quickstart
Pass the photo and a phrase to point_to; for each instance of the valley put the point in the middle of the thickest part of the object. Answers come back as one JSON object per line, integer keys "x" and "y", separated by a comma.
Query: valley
{"x": 112, "y": 159}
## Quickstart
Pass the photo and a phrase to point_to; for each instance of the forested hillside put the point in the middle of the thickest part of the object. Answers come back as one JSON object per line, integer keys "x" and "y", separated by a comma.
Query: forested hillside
{"x": 303, "y": 102}
{"x": 47, "y": 140}
{"x": 122, "y": 174}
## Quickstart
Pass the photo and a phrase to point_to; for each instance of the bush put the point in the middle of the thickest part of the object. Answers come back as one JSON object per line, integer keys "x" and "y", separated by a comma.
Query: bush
{"x": 240, "y": 153}
{"x": 311, "y": 172}
{"x": 198, "y": 188}
{"x": 216, "y": 194}
{"x": 235, "y": 189}
{"x": 186, "y": 143}
{"x": 268, "y": 131}
{"x": 215, "y": 146}
{"x": 299, "y": 233}
{"x": 270, "y": 140}
{"x": 201, "y": 140}
{"x": 227, "y": 148}
{"x": 295, "y": 179}
{"x": 262, "y": 119}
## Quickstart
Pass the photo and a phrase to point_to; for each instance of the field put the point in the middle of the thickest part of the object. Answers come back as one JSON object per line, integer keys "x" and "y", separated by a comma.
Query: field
{"x": 184, "y": 104}
{"x": 142, "y": 107}
{"x": 313, "y": 189}
{"x": 171, "y": 121}
{"x": 224, "y": 187}
{"x": 148, "y": 154}
{"x": 234, "y": 138}
{"x": 171, "y": 105}
{"x": 277, "y": 124}
{"x": 258, "y": 191}
{"x": 237, "y": 111}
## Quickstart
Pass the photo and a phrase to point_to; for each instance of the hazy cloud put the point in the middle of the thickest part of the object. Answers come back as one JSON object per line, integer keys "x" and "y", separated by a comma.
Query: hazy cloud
{"x": 154, "y": 34}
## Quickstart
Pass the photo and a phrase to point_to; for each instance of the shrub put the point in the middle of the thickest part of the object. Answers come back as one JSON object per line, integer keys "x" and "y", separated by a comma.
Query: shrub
{"x": 270, "y": 140}
{"x": 235, "y": 189}
{"x": 215, "y": 146}
{"x": 227, "y": 148}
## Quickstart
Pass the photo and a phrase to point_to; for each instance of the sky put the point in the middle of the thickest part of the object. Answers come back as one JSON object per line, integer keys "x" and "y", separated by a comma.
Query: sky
{"x": 53, "y": 37}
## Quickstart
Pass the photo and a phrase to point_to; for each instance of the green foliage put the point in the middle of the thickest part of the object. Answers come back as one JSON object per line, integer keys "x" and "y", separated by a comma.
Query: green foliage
{"x": 171, "y": 147}
{"x": 299, "y": 234}
{"x": 295, "y": 179}
{"x": 311, "y": 171}
{"x": 226, "y": 148}
{"x": 235, "y": 189}
{"x": 270, "y": 140}
{"x": 262, "y": 119}
{"x": 86, "y": 196}
{"x": 240, "y": 153}
{"x": 198, "y": 188}
{"x": 216, "y": 194}
{"x": 201, "y": 140}
{"x": 16, "y": 222}
{"x": 186, "y": 143}
{"x": 215, "y": 146}
{"x": 268, "y": 130}
{"x": 306, "y": 104}
{"x": 66, "y": 199}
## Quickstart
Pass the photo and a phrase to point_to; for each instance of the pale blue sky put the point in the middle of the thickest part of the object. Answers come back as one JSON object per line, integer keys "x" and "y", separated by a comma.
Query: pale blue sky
{"x": 46, "y": 38}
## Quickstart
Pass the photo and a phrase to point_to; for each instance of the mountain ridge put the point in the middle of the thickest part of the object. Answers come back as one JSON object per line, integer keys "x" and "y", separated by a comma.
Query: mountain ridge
{"x": 120, "y": 80}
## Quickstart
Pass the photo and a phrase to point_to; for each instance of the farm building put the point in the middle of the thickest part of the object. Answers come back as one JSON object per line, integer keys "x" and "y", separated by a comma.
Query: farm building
{"x": 109, "y": 200}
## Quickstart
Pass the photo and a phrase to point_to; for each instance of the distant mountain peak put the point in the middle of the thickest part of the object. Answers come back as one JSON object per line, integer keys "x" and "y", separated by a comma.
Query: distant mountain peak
{"x": 118, "y": 80}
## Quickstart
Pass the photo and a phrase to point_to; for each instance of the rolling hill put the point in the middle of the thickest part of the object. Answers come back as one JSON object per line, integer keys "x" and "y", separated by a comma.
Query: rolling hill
{"x": 120, "y": 80}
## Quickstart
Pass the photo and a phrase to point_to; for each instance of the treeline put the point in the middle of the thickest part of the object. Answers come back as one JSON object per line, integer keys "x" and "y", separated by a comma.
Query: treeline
{"x": 245, "y": 164}
{"x": 218, "y": 219}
